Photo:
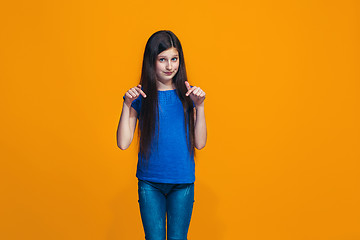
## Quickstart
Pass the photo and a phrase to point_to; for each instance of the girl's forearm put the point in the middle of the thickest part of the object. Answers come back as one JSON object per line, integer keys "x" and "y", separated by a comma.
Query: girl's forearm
{"x": 124, "y": 134}
{"x": 200, "y": 128}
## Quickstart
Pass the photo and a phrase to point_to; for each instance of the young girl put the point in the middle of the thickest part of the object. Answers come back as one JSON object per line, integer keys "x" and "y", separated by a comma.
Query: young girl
{"x": 171, "y": 125}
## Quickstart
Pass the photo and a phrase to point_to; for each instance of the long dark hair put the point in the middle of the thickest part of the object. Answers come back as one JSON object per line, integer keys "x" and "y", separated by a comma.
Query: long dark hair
{"x": 157, "y": 43}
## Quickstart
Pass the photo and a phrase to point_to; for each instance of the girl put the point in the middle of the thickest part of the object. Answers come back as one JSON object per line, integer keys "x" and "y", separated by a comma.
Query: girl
{"x": 171, "y": 125}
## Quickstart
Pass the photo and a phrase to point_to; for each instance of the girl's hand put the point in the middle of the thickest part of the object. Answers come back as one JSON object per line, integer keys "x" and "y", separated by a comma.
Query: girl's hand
{"x": 197, "y": 95}
{"x": 133, "y": 93}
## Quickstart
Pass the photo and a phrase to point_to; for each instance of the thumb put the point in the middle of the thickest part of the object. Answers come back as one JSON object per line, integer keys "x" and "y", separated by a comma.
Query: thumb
{"x": 187, "y": 85}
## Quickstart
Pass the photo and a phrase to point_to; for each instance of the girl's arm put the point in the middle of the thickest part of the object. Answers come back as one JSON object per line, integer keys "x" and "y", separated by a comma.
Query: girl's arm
{"x": 197, "y": 95}
{"x": 126, "y": 127}
{"x": 200, "y": 127}
{"x": 128, "y": 118}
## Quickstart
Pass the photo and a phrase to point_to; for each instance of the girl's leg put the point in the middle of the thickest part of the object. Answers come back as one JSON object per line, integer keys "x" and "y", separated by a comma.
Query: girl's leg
{"x": 152, "y": 204}
{"x": 179, "y": 205}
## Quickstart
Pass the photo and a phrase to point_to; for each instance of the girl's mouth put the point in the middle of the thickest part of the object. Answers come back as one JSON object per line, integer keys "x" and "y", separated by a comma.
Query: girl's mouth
{"x": 168, "y": 73}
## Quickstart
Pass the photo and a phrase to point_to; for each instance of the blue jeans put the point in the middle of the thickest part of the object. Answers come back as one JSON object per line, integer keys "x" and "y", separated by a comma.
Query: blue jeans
{"x": 158, "y": 200}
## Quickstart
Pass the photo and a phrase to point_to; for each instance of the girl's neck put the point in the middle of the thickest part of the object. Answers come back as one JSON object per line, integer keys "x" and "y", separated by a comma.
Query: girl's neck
{"x": 163, "y": 86}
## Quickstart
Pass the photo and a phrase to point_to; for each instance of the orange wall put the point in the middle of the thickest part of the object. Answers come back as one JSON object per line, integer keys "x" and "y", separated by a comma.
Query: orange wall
{"x": 282, "y": 81}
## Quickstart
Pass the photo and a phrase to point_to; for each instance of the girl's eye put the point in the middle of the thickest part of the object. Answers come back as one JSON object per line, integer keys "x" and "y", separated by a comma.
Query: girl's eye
{"x": 174, "y": 59}
{"x": 162, "y": 59}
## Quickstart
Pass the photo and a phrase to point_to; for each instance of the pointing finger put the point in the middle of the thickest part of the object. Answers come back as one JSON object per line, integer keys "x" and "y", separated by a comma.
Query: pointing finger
{"x": 190, "y": 91}
{"x": 141, "y": 91}
{"x": 187, "y": 85}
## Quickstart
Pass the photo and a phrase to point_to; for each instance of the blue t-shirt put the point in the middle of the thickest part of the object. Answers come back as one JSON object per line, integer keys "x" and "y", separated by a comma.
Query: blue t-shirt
{"x": 170, "y": 160}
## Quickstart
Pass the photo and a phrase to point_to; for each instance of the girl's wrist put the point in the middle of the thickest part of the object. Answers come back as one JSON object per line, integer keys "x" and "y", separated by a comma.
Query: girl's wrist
{"x": 126, "y": 103}
{"x": 200, "y": 106}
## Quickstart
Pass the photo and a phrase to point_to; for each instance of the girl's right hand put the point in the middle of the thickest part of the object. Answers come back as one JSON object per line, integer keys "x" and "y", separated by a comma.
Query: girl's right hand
{"x": 133, "y": 93}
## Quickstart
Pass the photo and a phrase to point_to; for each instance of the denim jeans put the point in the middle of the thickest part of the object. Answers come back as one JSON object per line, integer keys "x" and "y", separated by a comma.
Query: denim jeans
{"x": 158, "y": 200}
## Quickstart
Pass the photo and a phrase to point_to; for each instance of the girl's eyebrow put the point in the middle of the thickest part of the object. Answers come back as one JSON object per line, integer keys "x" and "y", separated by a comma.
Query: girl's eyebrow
{"x": 171, "y": 57}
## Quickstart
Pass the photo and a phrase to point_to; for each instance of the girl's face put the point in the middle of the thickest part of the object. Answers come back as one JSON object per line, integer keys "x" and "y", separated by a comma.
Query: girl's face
{"x": 167, "y": 64}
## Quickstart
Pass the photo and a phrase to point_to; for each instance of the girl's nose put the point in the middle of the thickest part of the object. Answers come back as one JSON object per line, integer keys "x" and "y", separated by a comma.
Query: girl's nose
{"x": 169, "y": 65}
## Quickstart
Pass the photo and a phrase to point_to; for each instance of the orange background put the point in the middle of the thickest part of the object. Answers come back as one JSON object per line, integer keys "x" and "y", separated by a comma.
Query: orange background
{"x": 282, "y": 81}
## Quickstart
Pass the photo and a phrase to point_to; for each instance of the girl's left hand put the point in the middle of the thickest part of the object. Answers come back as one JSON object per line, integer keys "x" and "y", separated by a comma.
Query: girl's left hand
{"x": 197, "y": 95}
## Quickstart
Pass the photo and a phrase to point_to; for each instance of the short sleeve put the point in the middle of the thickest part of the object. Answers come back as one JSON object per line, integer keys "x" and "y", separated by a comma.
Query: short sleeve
{"x": 136, "y": 104}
